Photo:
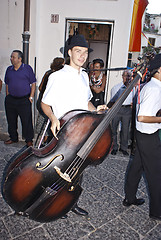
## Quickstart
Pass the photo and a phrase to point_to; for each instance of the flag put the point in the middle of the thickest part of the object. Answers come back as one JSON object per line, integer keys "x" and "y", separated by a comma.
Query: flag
{"x": 136, "y": 25}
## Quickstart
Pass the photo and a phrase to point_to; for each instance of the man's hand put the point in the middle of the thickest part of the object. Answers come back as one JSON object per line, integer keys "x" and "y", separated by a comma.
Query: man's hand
{"x": 55, "y": 126}
{"x": 102, "y": 107}
{"x": 31, "y": 99}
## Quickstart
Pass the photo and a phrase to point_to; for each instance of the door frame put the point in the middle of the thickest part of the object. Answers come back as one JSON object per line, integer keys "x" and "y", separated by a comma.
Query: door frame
{"x": 109, "y": 52}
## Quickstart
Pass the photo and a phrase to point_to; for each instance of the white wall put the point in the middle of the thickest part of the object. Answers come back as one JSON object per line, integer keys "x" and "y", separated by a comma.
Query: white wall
{"x": 11, "y": 29}
{"x": 144, "y": 41}
{"x": 11, "y": 26}
{"x": 51, "y": 35}
{"x": 156, "y": 20}
{"x": 47, "y": 38}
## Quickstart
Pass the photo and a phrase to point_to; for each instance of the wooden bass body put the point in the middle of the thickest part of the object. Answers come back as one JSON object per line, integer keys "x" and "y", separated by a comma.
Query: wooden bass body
{"x": 43, "y": 184}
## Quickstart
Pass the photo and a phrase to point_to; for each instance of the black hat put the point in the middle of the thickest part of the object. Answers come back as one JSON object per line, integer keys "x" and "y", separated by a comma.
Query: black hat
{"x": 155, "y": 63}
{"x": 77, "y": 40}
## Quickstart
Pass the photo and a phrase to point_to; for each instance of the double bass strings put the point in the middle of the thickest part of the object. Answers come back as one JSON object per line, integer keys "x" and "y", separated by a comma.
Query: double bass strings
{"x": 72, "y": 171}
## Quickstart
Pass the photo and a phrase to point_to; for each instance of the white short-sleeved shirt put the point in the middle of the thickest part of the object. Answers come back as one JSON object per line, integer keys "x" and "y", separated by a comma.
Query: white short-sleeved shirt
{"x": 67, "y": 90}
{"x": 129, "y": 98}
{"x": 150, "y": 103}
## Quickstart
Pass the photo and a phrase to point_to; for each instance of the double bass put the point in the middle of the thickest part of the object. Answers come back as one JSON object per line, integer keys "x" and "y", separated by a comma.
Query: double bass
{"x": 42, "y": 184}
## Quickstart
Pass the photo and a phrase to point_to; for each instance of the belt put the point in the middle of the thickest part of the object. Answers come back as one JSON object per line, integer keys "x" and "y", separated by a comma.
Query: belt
{"x": 26, "y": 96}
{"x": 125, "y": 106}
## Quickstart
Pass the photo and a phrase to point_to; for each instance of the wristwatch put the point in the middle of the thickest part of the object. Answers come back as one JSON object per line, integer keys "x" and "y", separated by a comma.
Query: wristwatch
{"x": 31, "y": 98}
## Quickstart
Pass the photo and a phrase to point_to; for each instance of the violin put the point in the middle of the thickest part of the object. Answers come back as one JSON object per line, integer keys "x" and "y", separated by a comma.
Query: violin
{"x": 43, "y": 184}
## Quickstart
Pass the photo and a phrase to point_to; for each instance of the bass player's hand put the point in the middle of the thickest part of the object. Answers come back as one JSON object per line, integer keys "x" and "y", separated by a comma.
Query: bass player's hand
{"x": 55, "y": 125}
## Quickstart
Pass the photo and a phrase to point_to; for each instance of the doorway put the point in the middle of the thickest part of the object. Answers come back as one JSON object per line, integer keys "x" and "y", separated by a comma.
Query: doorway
{"x": 99, "y": 35}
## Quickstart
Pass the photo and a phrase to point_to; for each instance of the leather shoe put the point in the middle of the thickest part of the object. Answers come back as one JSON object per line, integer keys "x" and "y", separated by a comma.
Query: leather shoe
{"x": 155, "y": 218}
{"x": 114, "y": 152}
{"x": 79, "y": 211}
{"x": 29, "y": 144}
{"x": 125, "y": 153}
{"x": 137, "y": 202}
{"x": 64, "y": 217}
{"x": 9, "y": 141}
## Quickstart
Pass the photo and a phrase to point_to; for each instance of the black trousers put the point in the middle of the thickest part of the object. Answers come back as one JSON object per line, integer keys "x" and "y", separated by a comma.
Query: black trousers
{"x": 19, "y": 107}
{"x": 147, "y": 159}
{"x": 79, "y": 181}
{"x": 97, "y": 99}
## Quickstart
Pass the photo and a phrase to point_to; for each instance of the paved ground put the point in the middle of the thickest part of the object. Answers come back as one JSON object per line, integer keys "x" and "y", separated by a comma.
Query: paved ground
{"x": 102, "y": 197}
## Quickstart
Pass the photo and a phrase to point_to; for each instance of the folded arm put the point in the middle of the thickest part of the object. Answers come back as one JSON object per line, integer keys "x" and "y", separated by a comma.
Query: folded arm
{"x": 149, "y": 119}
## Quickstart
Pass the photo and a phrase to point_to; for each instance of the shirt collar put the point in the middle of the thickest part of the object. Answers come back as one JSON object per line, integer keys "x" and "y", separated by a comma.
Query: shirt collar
{"x": 71, "y": 69}
{"x": 22, "y": 65}
{"x": 156, "y": 81}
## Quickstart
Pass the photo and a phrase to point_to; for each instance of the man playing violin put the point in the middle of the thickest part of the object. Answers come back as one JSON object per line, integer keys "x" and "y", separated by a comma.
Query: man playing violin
{"x": 68, "y": 89}
{"x": 147, "y": 156}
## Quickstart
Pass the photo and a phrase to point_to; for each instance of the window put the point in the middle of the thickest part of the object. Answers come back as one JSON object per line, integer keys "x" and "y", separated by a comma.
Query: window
{"x": 152, "y": 41}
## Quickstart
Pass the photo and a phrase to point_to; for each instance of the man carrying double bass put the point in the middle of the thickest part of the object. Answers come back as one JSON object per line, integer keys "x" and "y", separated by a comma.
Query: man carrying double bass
{"x": 68, "y": 89}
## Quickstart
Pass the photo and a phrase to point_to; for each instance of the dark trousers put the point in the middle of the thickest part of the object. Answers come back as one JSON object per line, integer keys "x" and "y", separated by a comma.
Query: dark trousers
{"x": 19, "y": 107}
{"x": 124, "y": 116}
{"x": 79, "y": 181}
{"x": 147, "y": 159}
{"x": 97, "y": 99}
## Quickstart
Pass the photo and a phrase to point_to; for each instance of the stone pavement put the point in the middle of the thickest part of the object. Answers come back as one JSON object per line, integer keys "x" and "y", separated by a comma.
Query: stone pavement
{"x": 102, "y": 198}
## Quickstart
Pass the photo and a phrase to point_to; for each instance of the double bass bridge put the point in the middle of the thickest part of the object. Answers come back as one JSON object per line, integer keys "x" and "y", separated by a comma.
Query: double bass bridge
{"x": 65, "y": 176}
